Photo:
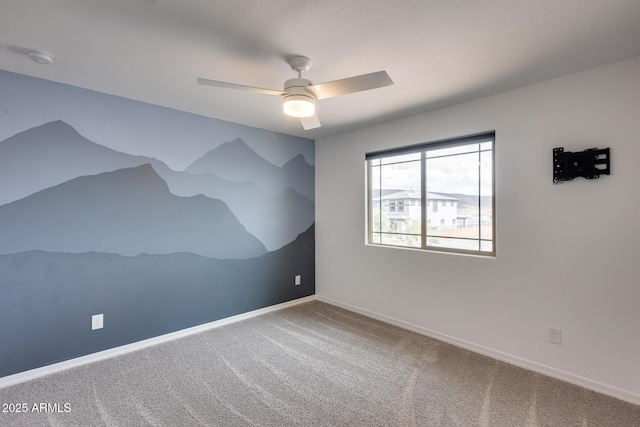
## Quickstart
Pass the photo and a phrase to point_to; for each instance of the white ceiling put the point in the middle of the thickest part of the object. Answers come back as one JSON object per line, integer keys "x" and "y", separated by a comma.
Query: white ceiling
{"x": 438, "y": 52}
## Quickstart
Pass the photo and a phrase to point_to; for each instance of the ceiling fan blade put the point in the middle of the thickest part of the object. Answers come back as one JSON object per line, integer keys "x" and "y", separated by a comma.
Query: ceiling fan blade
{"x": 227, "y": 85}
{"x": 351, "y": 85}
{"x": 309, "y": 123}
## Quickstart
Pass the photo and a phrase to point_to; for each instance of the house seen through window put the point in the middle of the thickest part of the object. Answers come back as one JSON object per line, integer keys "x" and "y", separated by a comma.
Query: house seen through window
{"x": 435, "y": 196}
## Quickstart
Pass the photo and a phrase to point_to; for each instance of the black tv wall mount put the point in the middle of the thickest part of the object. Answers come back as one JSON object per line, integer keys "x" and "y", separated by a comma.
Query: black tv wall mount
{"x": 589, "y": 164}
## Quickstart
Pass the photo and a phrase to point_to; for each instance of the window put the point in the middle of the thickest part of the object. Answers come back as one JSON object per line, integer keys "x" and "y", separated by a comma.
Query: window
{"x": 458, "y": 170}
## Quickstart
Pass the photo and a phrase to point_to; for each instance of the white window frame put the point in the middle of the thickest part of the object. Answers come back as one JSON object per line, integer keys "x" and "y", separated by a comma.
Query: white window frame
{"x": 423, "y": 149}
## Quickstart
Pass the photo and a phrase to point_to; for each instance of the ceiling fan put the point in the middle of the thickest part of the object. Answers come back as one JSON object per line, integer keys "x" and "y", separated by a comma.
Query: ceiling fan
{"x": 300, "y": 95}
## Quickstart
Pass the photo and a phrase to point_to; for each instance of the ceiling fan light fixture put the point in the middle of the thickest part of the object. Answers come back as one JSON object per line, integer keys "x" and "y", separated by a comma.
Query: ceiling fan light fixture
{"x": 299, "y": 106}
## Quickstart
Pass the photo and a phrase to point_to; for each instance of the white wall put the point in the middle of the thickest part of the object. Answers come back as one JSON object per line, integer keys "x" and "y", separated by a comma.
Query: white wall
{"x": 567, "y": 255}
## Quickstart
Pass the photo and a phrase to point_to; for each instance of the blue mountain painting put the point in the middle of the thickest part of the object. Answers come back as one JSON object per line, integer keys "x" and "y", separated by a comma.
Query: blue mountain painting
{"x": 275, "y": 204}
{"x": 86, "y": 229}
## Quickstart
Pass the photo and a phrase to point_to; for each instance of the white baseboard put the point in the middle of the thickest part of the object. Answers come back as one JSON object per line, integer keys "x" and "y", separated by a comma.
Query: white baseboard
{"x": 128, "y": 348}
{"x": 514, "y": 360}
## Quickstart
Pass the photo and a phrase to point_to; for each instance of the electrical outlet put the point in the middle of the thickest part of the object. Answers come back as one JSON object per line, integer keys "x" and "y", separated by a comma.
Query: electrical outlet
{"x": 298, "y": 280}
{"x": 555, "y": 335}
{"x": 97, "y": 321}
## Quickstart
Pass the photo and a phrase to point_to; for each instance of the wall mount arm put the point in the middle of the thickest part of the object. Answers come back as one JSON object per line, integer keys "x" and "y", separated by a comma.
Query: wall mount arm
{"x": 589, "y": 164}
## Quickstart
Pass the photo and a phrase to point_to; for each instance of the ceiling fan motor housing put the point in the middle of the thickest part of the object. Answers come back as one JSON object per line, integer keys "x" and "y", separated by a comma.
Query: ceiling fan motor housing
{"x": 298, "y": 87}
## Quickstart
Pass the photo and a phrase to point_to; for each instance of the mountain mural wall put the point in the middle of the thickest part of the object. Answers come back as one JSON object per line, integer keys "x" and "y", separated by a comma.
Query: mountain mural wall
{"x": 86, "y": 228}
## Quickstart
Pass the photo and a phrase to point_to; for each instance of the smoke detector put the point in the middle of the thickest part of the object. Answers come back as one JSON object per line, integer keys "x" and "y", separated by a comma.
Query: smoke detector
{"x": 40, "y": 57}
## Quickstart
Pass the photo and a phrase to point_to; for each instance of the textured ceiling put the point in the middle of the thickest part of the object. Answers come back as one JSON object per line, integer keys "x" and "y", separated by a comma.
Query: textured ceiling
{"x": 438, "y": 52}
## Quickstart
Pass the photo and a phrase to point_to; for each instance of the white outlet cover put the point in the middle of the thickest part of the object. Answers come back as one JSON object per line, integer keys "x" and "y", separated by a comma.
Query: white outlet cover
{"x": 298, "y": 280}
{"x": 97, "y": 321}
{"x": 555, "y": 335}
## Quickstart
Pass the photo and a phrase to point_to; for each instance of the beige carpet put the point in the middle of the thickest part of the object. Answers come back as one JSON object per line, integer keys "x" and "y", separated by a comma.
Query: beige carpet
{"x": 309, "y": 365}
